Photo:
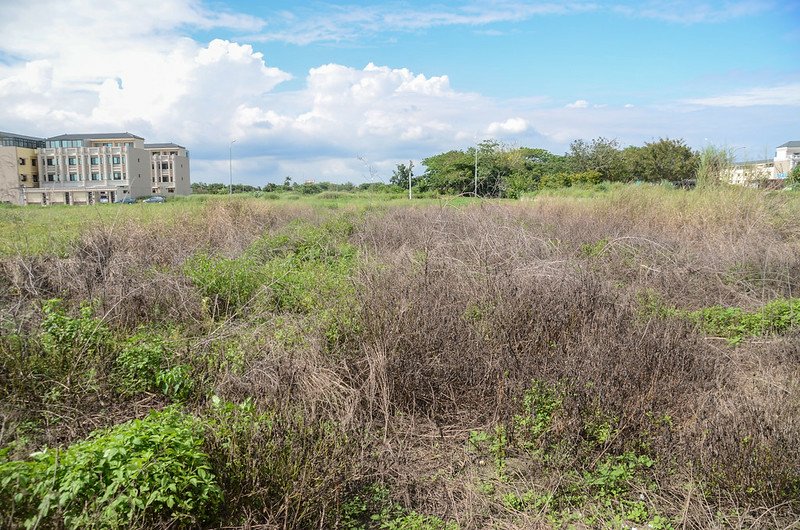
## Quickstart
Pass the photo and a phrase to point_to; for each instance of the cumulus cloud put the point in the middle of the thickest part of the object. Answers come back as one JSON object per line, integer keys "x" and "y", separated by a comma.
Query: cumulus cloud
{"x": 579, "y": 104}
{"x": 510, "y": 126}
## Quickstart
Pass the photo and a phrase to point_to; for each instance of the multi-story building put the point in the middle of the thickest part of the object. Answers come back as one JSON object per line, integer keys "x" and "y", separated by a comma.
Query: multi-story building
{"x": 169, "y": 167}
{"x": 19, "y": 165}
{"x": 768, "y": 172}
{"x": 787, "y": 157}
{"x": 89, "y": 168}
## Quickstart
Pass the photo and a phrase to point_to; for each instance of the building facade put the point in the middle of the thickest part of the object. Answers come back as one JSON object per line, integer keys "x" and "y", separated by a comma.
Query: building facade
{"x": 787, "y": 157}
{"x": 19, "y": 166}
{"x": 169, "y": 167}
{"x": 89, "y": 169}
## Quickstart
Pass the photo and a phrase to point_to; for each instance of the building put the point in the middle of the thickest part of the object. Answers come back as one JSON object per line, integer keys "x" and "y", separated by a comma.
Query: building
{"x": 89, "y": 168}
{"x": 787, "y": 157}
{"x": 752, "y": 173}
{"x": 758, "y": 173}
{"x": 19, "y": 165}
{"x": 169, "y": 167}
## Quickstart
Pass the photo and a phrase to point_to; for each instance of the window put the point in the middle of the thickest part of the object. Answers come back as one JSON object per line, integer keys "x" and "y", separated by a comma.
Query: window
{"x": 95, "y": 175}
{"x": 33, "y": 162}
{"x": 51, "y": 178}
{"x": 36, "y": 178}
{"x": 173, "y": 152}
{"x": 164, "y": 165}
{"x": 95, "y": 160}
{"x": 73, "y": 177}
{"x": 23, "y": 178}
{"x": 117, "y": 175}
{"x": 164, "y": 178}
{"x": 72, "y": 161}
{"x": 51, "y": 162}
{"x": 115, "y": 159}
{"x": 22, "y": 161}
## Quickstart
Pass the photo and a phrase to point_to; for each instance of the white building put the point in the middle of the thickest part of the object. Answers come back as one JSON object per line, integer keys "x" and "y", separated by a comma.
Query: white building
{"x": 787, "y": 156}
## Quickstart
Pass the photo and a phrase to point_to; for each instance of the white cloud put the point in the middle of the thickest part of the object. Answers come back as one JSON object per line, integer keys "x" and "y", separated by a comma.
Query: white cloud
{"x": 354, "y": 22}
{"x": 510, "y": 126}
{"x": 579, "y": 104}
{"x": 785, "y": 95}
{"x": 694, "y": 12}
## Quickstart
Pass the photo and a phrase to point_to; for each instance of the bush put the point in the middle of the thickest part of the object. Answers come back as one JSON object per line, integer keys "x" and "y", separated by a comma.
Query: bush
{"x": 138, "y": 474}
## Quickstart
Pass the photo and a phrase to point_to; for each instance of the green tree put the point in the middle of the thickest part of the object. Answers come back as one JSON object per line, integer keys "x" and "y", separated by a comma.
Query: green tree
{"x": 402, "y": 174}
{"x": 602, "y": 155}
{"x": 664, "y": 159}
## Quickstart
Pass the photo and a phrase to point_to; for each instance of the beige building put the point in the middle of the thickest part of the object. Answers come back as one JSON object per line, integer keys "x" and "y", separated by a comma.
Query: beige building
{"x": 787, "y": 157}
{"x": 19, "y": 166}
{"x": 89, "y": 169}
{"x": 169, "y": 167}
{"x": 760, "y": 172}
{"x": 752, "y": 173}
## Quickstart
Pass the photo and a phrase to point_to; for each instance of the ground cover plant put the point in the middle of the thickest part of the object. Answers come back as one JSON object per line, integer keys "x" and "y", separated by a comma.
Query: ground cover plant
{"x": 603, "y": 356}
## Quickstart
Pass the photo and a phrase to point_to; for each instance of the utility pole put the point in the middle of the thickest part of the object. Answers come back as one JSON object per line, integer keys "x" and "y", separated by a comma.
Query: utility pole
{"x": 230, "y": 166}
{"x": 410, "y": 173}
{"x": 476, "y": 170}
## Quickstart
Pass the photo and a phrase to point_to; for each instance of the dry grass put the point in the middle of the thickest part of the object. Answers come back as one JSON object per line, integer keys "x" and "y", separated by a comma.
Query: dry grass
{"x": 459, "y": 311}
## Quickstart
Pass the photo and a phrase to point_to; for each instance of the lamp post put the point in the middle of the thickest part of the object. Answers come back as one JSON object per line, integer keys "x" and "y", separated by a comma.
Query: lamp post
{"x": 230, "y": 166}
{"x": 476, "y": 167}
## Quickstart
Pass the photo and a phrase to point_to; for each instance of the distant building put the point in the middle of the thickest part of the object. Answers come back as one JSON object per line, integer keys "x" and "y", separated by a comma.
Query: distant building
{"x": 787, "y": 156}
{"x": 169, "y": 167}
{"x": 19, "y": 165}
{"x": 758, "y": 173}
{"x": 752, "y": 172}
{"x": 89, "y": 168}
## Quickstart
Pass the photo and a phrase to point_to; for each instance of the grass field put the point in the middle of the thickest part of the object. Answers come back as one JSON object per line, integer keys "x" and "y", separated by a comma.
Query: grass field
{"x": 607, "y": 357}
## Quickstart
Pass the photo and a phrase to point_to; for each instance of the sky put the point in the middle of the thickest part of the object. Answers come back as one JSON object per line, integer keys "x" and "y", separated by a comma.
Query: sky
{"x": 336, "y": 91}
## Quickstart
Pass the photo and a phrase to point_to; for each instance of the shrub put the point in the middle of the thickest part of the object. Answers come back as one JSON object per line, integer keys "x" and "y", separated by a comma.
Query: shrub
{"x": 138, "y": 474}
{"x": 139, "y": 362}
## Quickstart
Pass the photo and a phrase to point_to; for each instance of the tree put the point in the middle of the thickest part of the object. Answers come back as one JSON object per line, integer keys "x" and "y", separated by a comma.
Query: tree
{"x": 602, "y": 155}
{"x": 664, "y": 159}
{"x": 402, "y": 174}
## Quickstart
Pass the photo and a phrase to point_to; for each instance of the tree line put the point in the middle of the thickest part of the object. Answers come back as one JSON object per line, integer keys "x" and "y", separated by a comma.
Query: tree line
{"x": 504, "y": 171}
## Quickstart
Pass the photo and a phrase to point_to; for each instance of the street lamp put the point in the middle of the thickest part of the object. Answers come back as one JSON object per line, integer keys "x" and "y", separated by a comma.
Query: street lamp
{"x": 230, "y": 166}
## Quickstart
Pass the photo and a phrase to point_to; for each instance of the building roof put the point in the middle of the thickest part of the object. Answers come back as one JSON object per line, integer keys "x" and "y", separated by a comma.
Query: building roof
{"x": 13, "y": 135}
{"x": 163, "y": 146}
{"x": 794, "y": 143}
{"x": 95, "y": 136}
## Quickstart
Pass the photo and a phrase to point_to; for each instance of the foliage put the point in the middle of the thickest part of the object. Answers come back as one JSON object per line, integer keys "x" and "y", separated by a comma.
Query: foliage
{"x": 372, "y": 508}
{"x": 665, "y": 159}
{"x": 601, "y": 155}
{"x": 714, "y": 166}
{"x": 139, "y": 362}
{"x": 775, "y": 317}
{"x": 133, "y": 475}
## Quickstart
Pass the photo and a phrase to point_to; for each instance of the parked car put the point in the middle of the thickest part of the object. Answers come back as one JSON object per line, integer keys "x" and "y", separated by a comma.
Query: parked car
{"x": 155, "y": 198}
{"x": 103, "y": 200}
{"x": 126, "y": 200}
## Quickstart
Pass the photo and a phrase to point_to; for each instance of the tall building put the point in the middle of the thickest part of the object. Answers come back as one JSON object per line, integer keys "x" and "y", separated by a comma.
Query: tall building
{"x": 89, "y": 168}
{"x": 19, "y": 165}
{"x": 169, "y": 167}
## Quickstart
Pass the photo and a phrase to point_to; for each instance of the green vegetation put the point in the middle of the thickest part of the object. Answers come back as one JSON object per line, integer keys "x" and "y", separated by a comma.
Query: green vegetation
{"x": 137, "y": 473}
{"x": 351, "y": 359}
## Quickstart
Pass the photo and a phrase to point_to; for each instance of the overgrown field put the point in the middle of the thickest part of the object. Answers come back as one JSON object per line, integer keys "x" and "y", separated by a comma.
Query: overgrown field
{"x": 625, "y": 358}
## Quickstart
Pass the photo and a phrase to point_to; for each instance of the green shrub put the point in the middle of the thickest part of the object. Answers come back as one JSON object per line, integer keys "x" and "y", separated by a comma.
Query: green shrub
{"x": 775, "y": 317}
{"x": 134, "y": 475}
{"x": 139, "y": 362}
{"x": 227, "y": 284}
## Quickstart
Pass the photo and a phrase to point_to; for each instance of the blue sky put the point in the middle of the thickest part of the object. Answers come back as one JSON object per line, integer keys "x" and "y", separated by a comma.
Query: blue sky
{"x": 344, "y": 91}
